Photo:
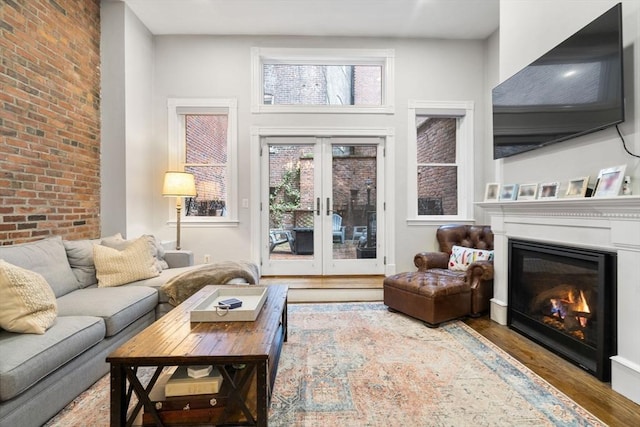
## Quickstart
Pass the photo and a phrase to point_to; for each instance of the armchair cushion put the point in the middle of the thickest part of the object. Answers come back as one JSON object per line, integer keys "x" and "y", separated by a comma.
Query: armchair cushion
{"x": 462, "y": 257}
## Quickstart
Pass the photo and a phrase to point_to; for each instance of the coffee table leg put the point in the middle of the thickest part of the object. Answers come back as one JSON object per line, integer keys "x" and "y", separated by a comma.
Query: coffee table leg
{"x": 262, "y": 376}
{"x": 118, "y": 396}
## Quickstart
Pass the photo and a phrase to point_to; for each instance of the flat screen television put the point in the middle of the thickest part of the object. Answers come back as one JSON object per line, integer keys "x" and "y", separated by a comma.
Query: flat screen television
{"x": 574, "y": 89}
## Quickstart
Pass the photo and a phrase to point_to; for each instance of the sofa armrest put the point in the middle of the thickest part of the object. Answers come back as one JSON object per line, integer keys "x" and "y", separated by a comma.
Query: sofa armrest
{"x": 178, "y": 258}
{"x": 427, "y": 260}
{"x": 478, "y": 272}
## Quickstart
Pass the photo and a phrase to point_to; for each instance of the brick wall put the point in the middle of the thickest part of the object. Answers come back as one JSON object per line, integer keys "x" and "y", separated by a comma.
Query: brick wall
{"x": 49, "y": 119}
{"x": 437, "y": 144}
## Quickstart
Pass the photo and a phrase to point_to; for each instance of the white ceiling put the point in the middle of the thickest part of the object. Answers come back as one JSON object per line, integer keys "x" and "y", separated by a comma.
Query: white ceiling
{"x": 452, "y": 19}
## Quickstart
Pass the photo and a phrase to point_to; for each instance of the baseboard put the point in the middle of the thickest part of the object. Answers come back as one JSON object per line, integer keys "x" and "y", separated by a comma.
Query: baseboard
{"x": 625, "y": 378}
{"x": 333, "y": 295}
{"x": 498, "y": 311}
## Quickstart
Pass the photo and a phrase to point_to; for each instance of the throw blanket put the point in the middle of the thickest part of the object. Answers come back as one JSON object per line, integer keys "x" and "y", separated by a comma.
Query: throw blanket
{"x": 188, "y": 283}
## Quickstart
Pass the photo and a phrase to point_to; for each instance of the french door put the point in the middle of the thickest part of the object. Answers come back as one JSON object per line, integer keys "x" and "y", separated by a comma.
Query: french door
{"x": 321, "y": 205}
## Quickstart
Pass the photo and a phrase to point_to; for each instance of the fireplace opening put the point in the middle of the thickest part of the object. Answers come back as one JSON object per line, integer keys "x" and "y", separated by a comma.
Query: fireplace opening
{"x": 564, "y": 299}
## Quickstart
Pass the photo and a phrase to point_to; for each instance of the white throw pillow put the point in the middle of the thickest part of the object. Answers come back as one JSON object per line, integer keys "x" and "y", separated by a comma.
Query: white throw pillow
{"x": 27, "y": 302}
{"x": 462, "y": 257}
{"x": 115, "y": 268}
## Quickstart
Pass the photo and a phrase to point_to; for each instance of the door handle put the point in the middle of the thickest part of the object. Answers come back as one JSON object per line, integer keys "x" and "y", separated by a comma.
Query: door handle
{"x": 318, "y": 206}
{"x": 328, "y": 204}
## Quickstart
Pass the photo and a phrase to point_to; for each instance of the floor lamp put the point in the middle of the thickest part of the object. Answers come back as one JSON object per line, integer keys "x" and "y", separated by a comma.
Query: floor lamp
{"x": 178, "y": 185}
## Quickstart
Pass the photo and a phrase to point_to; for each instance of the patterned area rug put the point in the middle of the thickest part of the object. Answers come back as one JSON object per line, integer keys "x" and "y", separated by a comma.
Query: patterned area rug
{"x": 359, "y": 365}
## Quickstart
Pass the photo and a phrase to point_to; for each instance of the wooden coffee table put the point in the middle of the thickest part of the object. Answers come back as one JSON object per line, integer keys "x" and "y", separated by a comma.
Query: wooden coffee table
{"x": 174, "y": 340}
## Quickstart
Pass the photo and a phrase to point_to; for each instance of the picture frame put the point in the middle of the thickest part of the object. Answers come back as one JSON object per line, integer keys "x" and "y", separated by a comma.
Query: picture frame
{"x": 609, "y": 181}
{"x": 492, "y": 192}
{"x": 509, "y": 192}
{"x": 527, "y": 191}
{"x": 577, "y": 187}
{"x": 549, "y": 190}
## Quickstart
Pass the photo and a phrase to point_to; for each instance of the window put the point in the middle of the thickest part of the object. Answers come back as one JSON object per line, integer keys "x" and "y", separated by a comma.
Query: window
{"x": 322, "y": 80}
{"x": 441, "y": 148}
{"x": 202, "y": 138}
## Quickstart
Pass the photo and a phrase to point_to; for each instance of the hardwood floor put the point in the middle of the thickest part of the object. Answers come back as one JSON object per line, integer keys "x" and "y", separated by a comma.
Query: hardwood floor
{"x": 595, "y": 396}
{"x": 589, "y": 392}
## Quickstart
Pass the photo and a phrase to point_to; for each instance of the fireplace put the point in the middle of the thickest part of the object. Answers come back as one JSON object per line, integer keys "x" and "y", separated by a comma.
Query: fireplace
{"x": 564, "y": 299}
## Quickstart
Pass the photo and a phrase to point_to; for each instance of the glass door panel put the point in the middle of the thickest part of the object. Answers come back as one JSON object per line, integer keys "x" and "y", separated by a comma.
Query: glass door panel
{"x": 353, "y": 182}
{"x": 292, "y": 206}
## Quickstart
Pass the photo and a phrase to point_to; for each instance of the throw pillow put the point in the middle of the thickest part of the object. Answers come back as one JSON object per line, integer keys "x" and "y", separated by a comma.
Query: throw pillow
{"x": 462, "y": 257}
{"x": 27, "y": 302}
{"x": 115, "y": 268}
{"x": 117, "y": 242}
{"x": 80, "y": 256}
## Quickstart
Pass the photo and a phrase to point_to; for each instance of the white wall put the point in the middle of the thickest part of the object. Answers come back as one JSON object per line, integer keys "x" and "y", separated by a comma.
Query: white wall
{"x": 142, "y": 185}
{"x": 126, "y": 172}
{"x": 528, "y": 29}
{"x": 208, "y": 66}
{"x": 113, "y": 120}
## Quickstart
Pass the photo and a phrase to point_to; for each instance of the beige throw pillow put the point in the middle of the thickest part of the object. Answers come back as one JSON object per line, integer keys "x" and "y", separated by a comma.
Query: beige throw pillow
{"x": 115, "y": 268}
{"x": 27, "y": 302}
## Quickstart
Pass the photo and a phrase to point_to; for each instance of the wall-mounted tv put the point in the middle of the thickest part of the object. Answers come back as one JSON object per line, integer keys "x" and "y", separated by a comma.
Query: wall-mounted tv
{"x": 574, "y": 89}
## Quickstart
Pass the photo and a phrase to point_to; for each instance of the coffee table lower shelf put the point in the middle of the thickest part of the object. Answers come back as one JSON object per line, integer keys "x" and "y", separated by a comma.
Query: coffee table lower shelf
{"x": 245, "y": 353}
{"x": 208, "y": 409}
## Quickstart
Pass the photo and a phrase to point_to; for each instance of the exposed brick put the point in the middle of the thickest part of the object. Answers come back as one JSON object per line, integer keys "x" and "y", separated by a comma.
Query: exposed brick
{"x": 49, "y": 119}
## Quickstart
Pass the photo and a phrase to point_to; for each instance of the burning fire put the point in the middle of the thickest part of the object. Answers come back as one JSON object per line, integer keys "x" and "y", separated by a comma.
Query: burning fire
{"x": 572, "y": 305}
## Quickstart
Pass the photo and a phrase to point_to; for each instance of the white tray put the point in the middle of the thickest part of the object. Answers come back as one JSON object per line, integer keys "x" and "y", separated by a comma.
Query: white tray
{"x": 252, "y": 297}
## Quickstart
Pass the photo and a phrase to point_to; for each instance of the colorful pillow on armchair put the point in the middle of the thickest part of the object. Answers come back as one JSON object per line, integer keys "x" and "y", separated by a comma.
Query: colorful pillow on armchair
{"x": 462, "y": 257}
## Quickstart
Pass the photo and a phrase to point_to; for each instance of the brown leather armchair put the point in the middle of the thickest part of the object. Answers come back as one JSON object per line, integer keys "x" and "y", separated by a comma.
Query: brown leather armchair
{"x": 435, "y": 293}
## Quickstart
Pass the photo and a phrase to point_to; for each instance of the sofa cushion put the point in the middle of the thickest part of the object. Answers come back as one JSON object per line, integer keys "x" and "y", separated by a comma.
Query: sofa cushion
{"x": 461, "y": 257}
{"x": 27, "y": 358}
{"x": 117, "y": 267}
{"x": 27, "y": 302}
{"x": 119, "y": 307}
{"x": 80, "y": 256}
{"x": 47, "y": 257}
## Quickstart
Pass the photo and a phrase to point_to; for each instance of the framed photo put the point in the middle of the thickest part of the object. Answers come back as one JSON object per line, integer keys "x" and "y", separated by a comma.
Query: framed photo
{"x": 610, "y": 181}
{"x": 549, "y": 190}
{"x": 509, "y": 192}
{"x": 577, "y": 187}
{"x": 492, "y": 192}
{"x": 527, "y": 191}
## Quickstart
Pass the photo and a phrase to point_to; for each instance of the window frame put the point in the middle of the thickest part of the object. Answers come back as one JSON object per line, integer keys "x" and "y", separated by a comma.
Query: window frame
{"x": 177, "y": 109}
{"x": 463, "y": 111}
{"x": 295, "y": 56}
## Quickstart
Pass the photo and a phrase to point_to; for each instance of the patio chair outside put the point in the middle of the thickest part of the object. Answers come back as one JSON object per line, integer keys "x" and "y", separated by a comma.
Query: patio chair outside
{"x": 338, "y": 228}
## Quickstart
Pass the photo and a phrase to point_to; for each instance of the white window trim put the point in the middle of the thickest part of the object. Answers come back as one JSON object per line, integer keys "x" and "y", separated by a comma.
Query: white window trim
{"x": 463, "y": 111}
{"x": 180, "y": 106}
{"x": 381, "y": 57}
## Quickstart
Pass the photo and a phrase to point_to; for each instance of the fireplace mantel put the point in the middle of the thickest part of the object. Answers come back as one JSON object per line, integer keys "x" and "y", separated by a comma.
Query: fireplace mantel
{"x": 611, "y": 224}
{"x": 618, "y": 207}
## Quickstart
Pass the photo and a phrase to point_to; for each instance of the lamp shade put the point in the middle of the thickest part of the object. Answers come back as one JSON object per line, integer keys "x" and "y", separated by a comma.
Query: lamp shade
{"x": 178, "y": 184}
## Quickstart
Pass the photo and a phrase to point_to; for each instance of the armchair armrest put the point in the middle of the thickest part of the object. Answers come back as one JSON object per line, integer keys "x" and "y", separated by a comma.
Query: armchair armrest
{"x": 478, "y": 272}
{"x": 178, "y": 258}
{"x": 427, "y": 260}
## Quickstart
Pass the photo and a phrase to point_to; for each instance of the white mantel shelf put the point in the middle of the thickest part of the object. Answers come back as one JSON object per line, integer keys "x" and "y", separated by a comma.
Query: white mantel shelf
{"x": 611, "y": 224}
{"x": 619, "y": 207}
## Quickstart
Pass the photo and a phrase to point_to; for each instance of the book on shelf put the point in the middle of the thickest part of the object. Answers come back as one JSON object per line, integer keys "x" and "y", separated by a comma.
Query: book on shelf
{"x": 182, "y": 384}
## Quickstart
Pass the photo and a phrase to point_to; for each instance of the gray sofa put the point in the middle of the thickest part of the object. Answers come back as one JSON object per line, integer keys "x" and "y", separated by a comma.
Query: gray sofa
{"x": 40, "y": 374}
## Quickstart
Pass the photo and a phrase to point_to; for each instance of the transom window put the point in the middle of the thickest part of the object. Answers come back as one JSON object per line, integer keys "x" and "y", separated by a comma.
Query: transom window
{"x": 322, "y": 80}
